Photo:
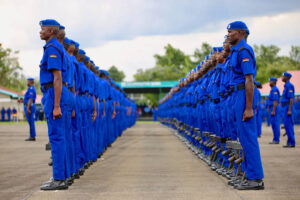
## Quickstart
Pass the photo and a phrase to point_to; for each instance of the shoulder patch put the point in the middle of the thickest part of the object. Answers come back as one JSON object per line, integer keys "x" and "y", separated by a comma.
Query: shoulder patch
{"x": 245, "y": 60}
{"x": 290, "y": 90}
{"x": 53, "y": 56}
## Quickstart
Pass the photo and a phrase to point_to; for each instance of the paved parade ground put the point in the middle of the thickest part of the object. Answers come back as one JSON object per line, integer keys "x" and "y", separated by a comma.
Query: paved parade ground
{"x": 147, "y": 162}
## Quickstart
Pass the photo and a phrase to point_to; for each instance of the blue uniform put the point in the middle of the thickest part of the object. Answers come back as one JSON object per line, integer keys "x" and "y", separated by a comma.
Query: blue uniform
{"x": 288, "y": 93}
{"x": 257, "y": 96}
{"x": 53, "y": 59}
{"x": 30, "y": 94}
{"x": 275, "y": 119}
{"x": 3, "y": 114}
{"x": 243, "y": 63}
{"x": 8, "y": 111}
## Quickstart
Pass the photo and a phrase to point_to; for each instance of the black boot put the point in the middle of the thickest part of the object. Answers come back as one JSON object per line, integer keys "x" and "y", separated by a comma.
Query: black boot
{"x": 55, "y": 185}
{"x": 250, "y": 185}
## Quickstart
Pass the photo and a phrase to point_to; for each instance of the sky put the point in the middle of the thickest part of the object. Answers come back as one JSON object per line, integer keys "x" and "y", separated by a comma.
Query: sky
{"x": 127, "y": 33}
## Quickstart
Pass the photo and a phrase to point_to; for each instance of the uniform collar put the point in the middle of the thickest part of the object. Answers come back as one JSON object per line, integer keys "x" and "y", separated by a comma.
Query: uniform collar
{"x": 239, "y": 45}
{"x": 53, "y": 40}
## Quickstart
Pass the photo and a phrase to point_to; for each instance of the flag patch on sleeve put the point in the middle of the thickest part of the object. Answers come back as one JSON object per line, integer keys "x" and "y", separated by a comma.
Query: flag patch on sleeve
{"x": 52, "y": 56}
{"x": 291, "y": 91}
{"x": 245, "y": 60}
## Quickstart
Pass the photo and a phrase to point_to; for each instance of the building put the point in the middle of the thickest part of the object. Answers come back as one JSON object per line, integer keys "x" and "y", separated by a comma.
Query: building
{"x": 11, "y": 99}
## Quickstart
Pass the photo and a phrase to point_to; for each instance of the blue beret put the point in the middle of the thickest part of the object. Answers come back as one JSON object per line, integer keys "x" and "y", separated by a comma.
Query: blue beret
{"x": 86, "y": 58}
{"x": 67, "y": 41}
{"x": 30, "y": 79}
{"x": 92, "y": 62}
{"x": 202, "y": 62}
{"x": 273, "y": 79}
{"x": 238, "y": 25}
{"x": 49, "y": 22}
{"x": 61, "y": 27}
{"x": 198, "y": 66}
{"x": 287, "y": 74}
{"x": 206, "y": 57}
{"x": 76, "y": 44}
{"x": 217, "y": 49}
{"x": 97, "y": 68}
{"x": 256, "y": 83}
{"x": 81, "y": 52}
{"x": 105, "y": 73}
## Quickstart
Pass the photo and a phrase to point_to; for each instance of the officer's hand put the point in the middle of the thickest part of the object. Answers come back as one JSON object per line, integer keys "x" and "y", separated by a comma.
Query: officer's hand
{"x": 273, "y": 113}
{"x": 103, "y": 115}
{"x": 94, "y": 116}
{"x": 57, "y": 113}
{"x": 289, "y": 113}
{"x": 248, "y": 114}
{"x": 113, "y": 115}
{"x": 28, "y": 111}
{"x": 73, "y": 114}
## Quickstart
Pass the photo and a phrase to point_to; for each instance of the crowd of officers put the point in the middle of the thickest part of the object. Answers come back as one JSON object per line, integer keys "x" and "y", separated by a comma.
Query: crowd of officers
{"x": 214, "y": 110}
{"x": 86, "y": 110}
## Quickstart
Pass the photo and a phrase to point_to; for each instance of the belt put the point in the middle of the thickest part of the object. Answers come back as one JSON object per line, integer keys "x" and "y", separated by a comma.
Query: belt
{"x": 237, "y": 87}
{"x": 25, "y": 104}
{"x": 46, "y": 86}
{"x": 65, "y": 84}
{"x": 286, "y": 103}
{"x": 216, "y": 101}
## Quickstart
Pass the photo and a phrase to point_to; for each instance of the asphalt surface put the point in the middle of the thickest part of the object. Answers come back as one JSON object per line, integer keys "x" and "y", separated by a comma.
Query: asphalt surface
{"x": 147, "y": 162}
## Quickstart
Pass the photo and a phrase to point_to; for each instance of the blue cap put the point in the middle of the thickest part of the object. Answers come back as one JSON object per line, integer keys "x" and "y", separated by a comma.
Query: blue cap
{"x": 104, "y": 72}
{"x": 198, "y": 66}
{"x": 92, "y": 62}
{"x": 217, "y": 49}
{"x": 256, "y": 83}
{"x": 97, "y": 68}
{"x": 61, "y": 27}
{"x": 81, "y": 52}
{"x": 76, "y": 44}
{"x": 238, "y": 25}
{"x": 273, "y": 79}
{"x": 30, "y": 79}
{"x": 86, "y": 58}
{"x": 49, "y": 22}
{"x": 287, "y": 74}
{"x": 206, "y": 57}
{"x": 67, "y": 41}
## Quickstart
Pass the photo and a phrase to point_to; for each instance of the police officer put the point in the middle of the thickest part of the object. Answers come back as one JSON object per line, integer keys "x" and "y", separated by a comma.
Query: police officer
{"x": 8, "y": 111}
{"x": 29, "y": 107}
{"x": 273, "y": 108}
{"x": 257, "y": 96}
{"x": 54, "y": 101}
{"x": 287, "y": 102}
{"x": 243, "y": 66}
{"x": 3, "y": 114}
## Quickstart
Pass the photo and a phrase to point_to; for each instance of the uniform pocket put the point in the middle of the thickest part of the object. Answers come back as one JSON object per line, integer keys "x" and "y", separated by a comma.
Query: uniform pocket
{"x": 48, "y": 105}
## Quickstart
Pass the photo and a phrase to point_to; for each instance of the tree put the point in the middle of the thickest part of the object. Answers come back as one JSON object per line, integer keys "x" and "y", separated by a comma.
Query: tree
{"x": 295, "y": 55}
{"x": 115, "y": 74}
{"x": 199, "y": 54}
{"x": 10, "y": 70}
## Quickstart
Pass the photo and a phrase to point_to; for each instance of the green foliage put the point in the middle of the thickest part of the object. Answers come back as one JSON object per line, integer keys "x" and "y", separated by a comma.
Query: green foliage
{"x": 173, "y": 65}
{"x": 270, "y": 64}
{"x": 10, "y": 70}
{"x": 115, "y": 74}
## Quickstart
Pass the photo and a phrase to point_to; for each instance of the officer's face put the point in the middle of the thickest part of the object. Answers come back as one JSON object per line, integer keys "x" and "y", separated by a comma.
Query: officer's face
{"x": 45, "y": 33}
{"x": 233, "y": 36}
